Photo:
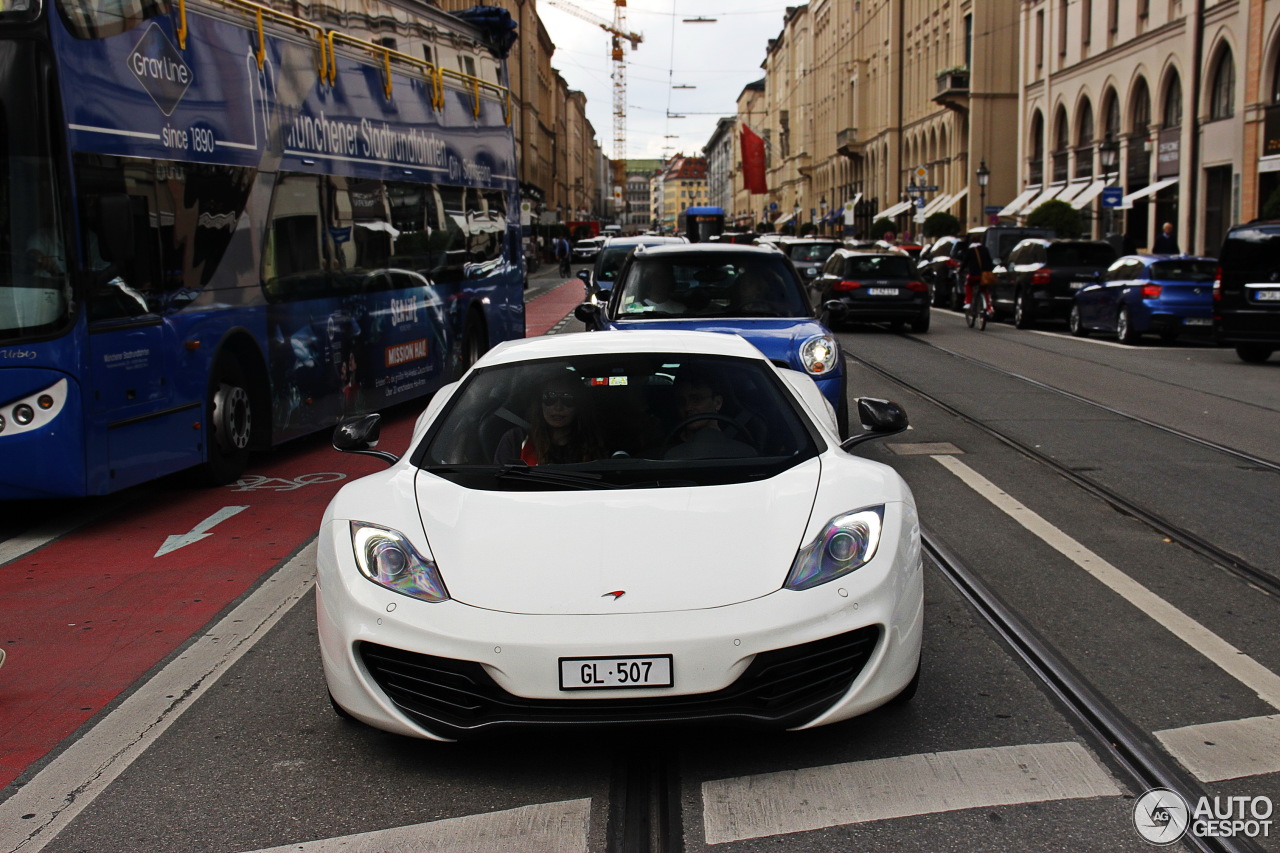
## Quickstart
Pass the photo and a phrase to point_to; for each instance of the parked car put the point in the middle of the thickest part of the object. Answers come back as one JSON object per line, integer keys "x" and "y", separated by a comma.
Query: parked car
{"x": 872, "y": 287}
{"x": 808, "y": 254}
{"x": 1001, "y": 239}
{"x": 717, "y": 601}
{"x": 939, "y": 266}
{"x": 1138, "y": 294}
{"x": 1040, "y": 278}
{"x": 1247, "y": 293}
{"x": 599, "y": 279}
{"x": 751, "y": 291}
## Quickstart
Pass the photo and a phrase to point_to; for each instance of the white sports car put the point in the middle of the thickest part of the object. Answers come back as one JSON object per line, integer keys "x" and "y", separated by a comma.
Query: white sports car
{"x": 660, "y": 526}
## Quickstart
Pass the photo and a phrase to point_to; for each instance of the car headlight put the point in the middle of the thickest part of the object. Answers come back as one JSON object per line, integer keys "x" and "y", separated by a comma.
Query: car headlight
{"x": 387, "y": 558}
{"x": 848, "y": 542}
{"x": 819, "y": 354}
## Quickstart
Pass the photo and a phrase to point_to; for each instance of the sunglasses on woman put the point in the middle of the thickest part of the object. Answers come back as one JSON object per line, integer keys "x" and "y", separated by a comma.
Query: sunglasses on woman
{"x": 565, "y": 398}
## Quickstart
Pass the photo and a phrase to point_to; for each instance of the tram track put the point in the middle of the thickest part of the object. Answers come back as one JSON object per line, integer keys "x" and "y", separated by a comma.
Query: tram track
{"x": 1254, "y": 576}
{"x": 1130, "y": 749}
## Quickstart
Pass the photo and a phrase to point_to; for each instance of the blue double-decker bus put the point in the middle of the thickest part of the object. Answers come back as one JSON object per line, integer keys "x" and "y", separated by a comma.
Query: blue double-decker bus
{"x": 223, "y": 226}
{"x": 700, "y": 224}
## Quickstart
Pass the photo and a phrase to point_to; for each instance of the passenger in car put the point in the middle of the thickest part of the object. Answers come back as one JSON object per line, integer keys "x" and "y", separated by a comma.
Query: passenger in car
{"x": 658, "y": 287}
{"x": 698, "y": 394}
{"x": 562, "y": 428}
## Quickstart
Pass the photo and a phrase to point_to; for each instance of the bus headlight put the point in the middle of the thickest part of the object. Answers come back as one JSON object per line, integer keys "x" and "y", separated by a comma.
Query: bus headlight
{"x": 35, "y": 410}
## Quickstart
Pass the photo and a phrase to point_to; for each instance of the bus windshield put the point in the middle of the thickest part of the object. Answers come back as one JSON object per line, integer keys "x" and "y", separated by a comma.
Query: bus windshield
{"x": 35, "y": 295}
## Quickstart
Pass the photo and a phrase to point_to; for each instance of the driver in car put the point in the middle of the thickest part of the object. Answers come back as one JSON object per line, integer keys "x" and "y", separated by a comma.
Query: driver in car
{"x": 702, "y": 394}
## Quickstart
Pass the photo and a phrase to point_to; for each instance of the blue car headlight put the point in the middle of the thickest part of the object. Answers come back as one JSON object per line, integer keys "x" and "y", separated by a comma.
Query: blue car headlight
{"x": 389, "y": 559}
{"x": 820, "y": 355}
{"x": 848, "y": 542}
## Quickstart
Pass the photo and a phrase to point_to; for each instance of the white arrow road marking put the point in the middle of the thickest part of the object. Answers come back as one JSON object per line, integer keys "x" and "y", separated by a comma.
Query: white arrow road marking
{"x": 181, "y": 540}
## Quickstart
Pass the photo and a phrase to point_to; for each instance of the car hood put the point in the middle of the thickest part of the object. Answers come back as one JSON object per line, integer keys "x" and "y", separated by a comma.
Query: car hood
{"x": 779, "y": 339}
{"x": 565, "y": 552}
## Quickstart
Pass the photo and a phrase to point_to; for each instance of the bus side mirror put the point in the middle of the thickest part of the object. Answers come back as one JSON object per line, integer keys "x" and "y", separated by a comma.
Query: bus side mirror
{"x": 115, "y": 228}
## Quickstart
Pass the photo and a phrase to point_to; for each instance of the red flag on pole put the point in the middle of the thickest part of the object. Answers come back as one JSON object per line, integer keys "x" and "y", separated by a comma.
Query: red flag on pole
{"x": 753, "y": 175}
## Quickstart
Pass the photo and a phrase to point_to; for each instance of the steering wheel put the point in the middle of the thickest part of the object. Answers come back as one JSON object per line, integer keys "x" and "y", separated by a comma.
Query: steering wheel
{"x": 693, "y": 419}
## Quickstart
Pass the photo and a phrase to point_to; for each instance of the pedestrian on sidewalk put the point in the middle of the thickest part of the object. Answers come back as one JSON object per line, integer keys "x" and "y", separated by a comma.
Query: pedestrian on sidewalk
{"x": 1166, "y": 243}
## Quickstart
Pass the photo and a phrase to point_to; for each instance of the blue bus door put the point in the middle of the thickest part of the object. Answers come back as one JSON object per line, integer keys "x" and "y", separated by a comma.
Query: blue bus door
{"x": 138, "y": 428}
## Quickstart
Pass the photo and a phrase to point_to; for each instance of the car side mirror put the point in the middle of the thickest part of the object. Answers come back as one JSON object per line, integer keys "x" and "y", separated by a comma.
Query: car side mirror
{"x": 587, "y": 312}
{"x": 880, "y": 418}
{"x": 585, "y": 275}
{"x": 359, "y": 434}
{"x": 835, "y": 307}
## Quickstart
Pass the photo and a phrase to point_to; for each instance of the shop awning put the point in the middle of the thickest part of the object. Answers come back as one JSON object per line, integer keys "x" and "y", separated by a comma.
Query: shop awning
{"x": 951, "y": 202}
{"x": 1089, "y": 194}
{"x": 1148, "y": 190}
{"x": 1047, "y": 195}
{"x": 943, "y": 200}
{"x": 1012, "y": 208}
{"x": 1073, "y": 190}
{"x": 890, "y": 212}
{"x": 783, "y": 220}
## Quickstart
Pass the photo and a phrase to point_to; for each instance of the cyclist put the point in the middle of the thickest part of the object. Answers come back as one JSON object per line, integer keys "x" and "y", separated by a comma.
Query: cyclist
{"x": 977, "y": 269}
{"x": 563, "y": 253}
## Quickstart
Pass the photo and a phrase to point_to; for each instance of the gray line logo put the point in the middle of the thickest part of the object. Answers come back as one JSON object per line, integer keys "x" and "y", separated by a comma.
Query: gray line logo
{"x": 160, "y": 69}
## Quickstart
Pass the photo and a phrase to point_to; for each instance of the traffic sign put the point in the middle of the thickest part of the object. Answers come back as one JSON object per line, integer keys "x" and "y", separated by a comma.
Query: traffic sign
{"x": 992, "y": 209}
{"x": 1112, "y": 197}
{"x": 922, "y": 188}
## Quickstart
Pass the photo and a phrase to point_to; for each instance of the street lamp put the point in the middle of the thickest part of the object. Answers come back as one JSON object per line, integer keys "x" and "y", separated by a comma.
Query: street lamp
{"x": 984, "y": 178}
{"x": 1109, "y": 154}
{"x": 822, "y": 207}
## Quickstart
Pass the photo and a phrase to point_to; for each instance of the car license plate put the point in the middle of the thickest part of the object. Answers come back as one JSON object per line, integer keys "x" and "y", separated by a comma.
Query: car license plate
{"x": 1267, "y": 295}
{"x": 608, "y": 673}
{"x": 1198, "y": 321}
{"x": 882, "y": 291}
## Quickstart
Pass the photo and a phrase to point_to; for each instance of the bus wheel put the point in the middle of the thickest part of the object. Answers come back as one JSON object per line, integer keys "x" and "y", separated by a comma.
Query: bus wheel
{"x": 230, "y": 424}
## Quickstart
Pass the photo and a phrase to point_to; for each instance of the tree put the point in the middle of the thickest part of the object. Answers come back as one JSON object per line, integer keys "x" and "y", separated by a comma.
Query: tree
{"x": 1064, "y": 219}
{"x": 941, "y": 224}
{"x": 807, "y": 229}
{"x": 881, "y": 227}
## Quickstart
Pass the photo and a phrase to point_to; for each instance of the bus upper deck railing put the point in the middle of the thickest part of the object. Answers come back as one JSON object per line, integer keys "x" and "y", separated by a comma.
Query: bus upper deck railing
{"x": 326, "y": 43}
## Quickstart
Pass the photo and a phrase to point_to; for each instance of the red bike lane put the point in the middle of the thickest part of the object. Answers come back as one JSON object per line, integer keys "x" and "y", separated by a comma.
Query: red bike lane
{"x": 87, "y": 615}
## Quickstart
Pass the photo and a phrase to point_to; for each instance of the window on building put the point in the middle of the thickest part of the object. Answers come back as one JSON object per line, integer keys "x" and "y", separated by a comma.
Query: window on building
{"x": 1173, "y": 103}
{"x": 1224, "y": 87}
{"x": 1039, "y": 40}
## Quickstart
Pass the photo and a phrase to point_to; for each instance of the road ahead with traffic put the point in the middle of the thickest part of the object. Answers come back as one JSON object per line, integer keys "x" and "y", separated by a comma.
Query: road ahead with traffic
{"x": 1113, "y": 509}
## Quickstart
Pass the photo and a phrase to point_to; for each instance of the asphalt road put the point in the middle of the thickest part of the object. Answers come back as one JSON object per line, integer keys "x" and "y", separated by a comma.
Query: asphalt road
{"x": 219, "y": 737}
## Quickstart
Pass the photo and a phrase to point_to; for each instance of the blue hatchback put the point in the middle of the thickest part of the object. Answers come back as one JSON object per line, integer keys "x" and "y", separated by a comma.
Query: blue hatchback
{"x": 1139, "y": 294}
{"x": 751, "y": 291}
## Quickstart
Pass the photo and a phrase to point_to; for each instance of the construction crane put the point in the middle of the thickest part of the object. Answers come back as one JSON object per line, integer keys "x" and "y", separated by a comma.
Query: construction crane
{"x": 618, "y": 30}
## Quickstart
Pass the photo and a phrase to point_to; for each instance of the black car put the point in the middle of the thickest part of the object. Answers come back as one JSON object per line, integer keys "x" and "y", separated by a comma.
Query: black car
{"x": 939, "y": 266}
{"x": 609, "y": 261}
{"x": 1001, "y": 239}
{"x": 871, "y": 287}
{"x": 1246, "y": 294}
{"x": 808, "y": 254}
{"x": 1040, "y": 278}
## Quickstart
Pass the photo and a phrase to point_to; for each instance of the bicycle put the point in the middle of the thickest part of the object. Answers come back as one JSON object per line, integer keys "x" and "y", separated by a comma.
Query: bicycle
{"x": 565, "y": 269}
{"x": 979, "y": 308}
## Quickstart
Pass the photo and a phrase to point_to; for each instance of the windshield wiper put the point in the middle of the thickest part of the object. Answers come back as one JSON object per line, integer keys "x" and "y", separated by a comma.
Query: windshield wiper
{"x": 523, "y": 471}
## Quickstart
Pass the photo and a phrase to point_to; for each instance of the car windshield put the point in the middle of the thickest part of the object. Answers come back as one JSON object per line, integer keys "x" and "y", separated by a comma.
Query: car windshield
{"x": 610, "y": 261}
{"x": 632, "y": 420}
{"x": 811, "y": 251}
{"x": 1203, "y": 272}
{"x": 882, "y": 266}
{"x": 711, "y": 284}
{"x": 1081, "y": 255}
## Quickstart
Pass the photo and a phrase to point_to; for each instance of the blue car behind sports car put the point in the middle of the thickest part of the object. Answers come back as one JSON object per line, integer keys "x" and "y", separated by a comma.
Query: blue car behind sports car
{"x": 1165, "y": 295}
{"x": 751, "y": 291}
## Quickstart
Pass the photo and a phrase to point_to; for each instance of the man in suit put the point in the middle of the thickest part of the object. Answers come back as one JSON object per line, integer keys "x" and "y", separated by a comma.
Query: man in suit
{"x": 1166, "y": 243}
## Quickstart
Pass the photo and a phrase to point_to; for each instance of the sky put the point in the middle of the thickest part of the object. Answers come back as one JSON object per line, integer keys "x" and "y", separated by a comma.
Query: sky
{"x": 719, "y": 59}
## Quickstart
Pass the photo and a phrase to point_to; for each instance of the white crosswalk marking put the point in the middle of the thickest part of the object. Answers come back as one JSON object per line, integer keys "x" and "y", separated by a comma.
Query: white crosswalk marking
{"x": 1231, "y": 749}
{"x": 839, "y": 794}
{"x": 544, "y": 828}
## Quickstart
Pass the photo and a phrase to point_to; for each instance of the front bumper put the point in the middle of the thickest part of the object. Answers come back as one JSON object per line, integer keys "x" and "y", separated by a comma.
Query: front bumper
{"x": 789, "y": 659}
